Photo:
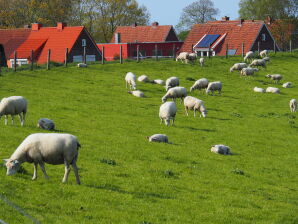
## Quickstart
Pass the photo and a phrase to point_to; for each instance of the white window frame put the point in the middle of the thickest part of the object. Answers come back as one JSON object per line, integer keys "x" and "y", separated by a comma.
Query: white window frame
{"x": 84, "y": 43}
{"x": 20, "y": 61}
{"x": 263, "y": 36}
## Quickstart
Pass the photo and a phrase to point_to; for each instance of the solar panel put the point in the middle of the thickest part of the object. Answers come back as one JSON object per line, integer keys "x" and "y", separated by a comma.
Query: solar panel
{"x": 208, "y": 40}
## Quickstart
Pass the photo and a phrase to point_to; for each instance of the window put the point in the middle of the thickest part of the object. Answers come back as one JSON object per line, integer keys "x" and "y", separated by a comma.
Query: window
{"x": 83, "y": 42}
{"x": 90, "y": 57}
{"x": 77, "y": 58}
{"x": 232, "y": 52}
{"x": 20, "y": 62}
{"x": 263, "y": 37}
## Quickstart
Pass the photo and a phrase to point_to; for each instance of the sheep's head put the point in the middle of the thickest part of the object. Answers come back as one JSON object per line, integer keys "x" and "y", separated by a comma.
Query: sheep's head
{"x": 167, "y": 122}
{"x": 164, "y": 99}
{"x": 191, "y": 89}
{"x": 12, "y": 166}
{"x": 268, "y": 76}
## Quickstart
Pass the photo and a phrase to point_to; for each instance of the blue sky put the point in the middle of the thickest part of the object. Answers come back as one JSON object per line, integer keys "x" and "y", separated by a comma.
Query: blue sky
{"x": 167, "y": 12}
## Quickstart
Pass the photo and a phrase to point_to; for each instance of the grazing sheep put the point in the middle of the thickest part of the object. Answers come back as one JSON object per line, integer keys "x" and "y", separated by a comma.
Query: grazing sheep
{"x": 167, "y": 112}
{"x": 276, "y": 77}
{"x": 264, "y": 53}
{"x": 13, "y": 105}
{"x": 158, "y": 138}
{"x": 267, "y": 59}
{"x": 46, "y": 124}
{"x": 259, "y": 90}
{"x": 130, "y": 80}
{"x": 272, "y": 90}
{"x": 238, "y": 67}
{"x": 158, "y": 81}
{"x": 192, "y": 103}
{"x": 82, "y": 65}
{"x": 248, "y": 71}
{"x": 287, "y": 85}
{"x": 200, "y": 84}
{"x": 43, "y": 148}
{"x": 221, "y": 149}
{"x": 143, "y": 78}
{"x": 249, "y": 55}
{"x": 183, "y": 56}
{"x": 214, "y": 86}
{"x": 293, "y": 105}
{"x": 176, "y": 92}
{"x": 258, "y": 62}
{"x": 171, "y": 82}
{"x": 202, "y": 62}
{"x": 192, "y": 57}
{"x": 137, "y": 93}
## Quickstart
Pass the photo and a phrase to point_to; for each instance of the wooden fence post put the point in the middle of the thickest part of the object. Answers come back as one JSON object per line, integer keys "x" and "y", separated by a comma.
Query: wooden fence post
{"x": 174, "y": 52}
{"x": 0, "y": 70}
{"x": 274, "y": 47}
{"x": 243, "y": 50}
{"x": 227, "y": 49}
{"x": 32, "y": 60}
{"x": 259, "y": 48}
{"x": 192, "y": 48}
{"x": 84, "y": 55}
{"x": 121, "y": 54}
{"x": 102, "y": 55}
{"x": 15, "y": 61}
{"x": 209, "y": 51}
{"x": 291, "y": 46}
{"x": 138, "y": 52}
{"x": 48, "y": 59}
{"x": 66, "y": 57}
{"x": 156, "y": 53}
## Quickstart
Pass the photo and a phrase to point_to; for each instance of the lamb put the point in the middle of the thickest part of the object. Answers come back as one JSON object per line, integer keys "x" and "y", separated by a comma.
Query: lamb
{"x": 249, "y": 55}
{"x": 130, "y": 80}
{"x": 158, "y": 138}
{"x": 137, "y": 93}
{"x": 167, "y": 112}
{"x": 158, "y": 81}
{"x": 192, "y": 57}
{"x": 192, "y": 103}
{"x": 293, "y": 105}
{"x": 213, "y": 86}
{"x": 202, "y": 62}
{"x": 171, "y": 82}
{"x": 275, "y": 77}
{"x": 221, "y": 149}
{"x": 82, "y": 65}
{"x": 248, "y": 71}
{"x": 176, "y": 92}
{"x": 259, "y": 90}
{"x": 287, "y": 85}
{"x": 200, "y": 84}
{"x": 264, "y": 53}
{"x": 46, "y": 124}
{"x": 183, "y": 56}
{"x": 258, "y": 62}
{"x": 13, "y": 105}
{"x": 272, "y": 90}
{"x": 51, "y": 148}
{"x": 143, "y": 78}
{"x": 238, "y": 67}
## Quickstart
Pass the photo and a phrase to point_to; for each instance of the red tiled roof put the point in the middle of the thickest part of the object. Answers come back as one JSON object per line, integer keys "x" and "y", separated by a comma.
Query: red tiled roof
{"x": 24, "y": 50}
{"x": 236, "y": 34}
{"x": 131, "y": 34}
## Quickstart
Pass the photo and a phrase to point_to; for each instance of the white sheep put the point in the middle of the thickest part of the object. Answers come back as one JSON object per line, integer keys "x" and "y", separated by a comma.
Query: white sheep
{"x": 238, "y": 67}
{"x": 293, "y": 105}
{"x": 200, "y": 84}
{"x": 46, "y": 124}
{"x": 130, "y": 80}
{"x": 192, "y": 103}
{"x": 167, "y": 112}
{"x": 259, "y": 90}
{"x": 214, "y": 86}
{"x": 264, "y": 53}
{"x": 143, "y": 78}
{"x": 249, "y": 55}
{"x": 82, "y": 65}
{"x": 158, "y": 81}
{"x": 175, "y": 92}
{"x": 248, "y": 71}
{"x": 202, "y": 62}
{"x": 272, "y": 90}
{"x": 258, "y": 62}
{"x": 221, "y": 149}
{"x": 171, "y": 82}
{"x": 158, "y": 138}
{"x": 13, "y": 105}
{"x": 51, "y": 148}
{"x": 183, "y": 56}
{"x": 137, "y": 93}
{"x": 287, "y": 85}
{"x": 267, "y": 59}
{"x": 276, "y": 77}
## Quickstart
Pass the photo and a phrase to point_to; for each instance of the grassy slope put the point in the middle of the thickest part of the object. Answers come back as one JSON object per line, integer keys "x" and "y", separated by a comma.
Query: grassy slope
{"x": 111, "y": 124}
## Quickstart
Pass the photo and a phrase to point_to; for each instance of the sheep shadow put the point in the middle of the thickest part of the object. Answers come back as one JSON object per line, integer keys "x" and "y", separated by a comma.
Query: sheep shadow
{"x": 220, "y": 119}
{"x": 199, "y": 129}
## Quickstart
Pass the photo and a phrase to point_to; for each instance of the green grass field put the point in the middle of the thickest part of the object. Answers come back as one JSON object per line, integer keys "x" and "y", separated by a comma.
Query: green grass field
{"x": 126, "y": 179}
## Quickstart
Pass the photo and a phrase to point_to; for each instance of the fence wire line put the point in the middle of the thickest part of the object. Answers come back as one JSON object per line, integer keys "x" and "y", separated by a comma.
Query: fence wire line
{"x": 19, "y": 209}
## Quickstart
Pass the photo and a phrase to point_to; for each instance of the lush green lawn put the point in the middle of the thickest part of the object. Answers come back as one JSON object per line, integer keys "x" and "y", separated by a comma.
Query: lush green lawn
{"x": 126, "y": 179}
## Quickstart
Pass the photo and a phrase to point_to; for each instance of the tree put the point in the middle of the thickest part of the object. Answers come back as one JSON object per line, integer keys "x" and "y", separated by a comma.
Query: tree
{"x": 197, "y": 12}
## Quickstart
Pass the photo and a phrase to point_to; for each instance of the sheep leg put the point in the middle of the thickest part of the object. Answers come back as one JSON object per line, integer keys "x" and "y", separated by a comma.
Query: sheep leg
{"x": 160, "y": 120}
{"x": 66, "y": 173}
{"x": 194, "y": 112}
{"x": 35, "y": 172}
{"x": 12, "y": 119}
{"x": 21, "y": 119}
{"x": 173, "y": 121}
{"x": 75, "y": 170}
{"x": 6, "y": 119}
{"x": 24, "y": 117}
{"x": 44, "y": 170}
{"x": 186, "y": 111}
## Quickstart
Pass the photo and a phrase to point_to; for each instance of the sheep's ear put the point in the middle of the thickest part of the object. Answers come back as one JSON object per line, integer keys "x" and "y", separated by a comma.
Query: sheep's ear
{"x": 5, "y": 160}
{"x": 16, "y": 162}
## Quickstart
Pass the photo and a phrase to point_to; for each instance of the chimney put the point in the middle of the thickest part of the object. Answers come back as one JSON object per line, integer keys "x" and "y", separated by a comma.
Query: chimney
{"x": 134, "y": 24}
{"x": 27, "y": 26}
{"x": 269, "y": 20}
{"x": 117, "y": 38}
{"x": 225, "y": 18}
{"x": 241, "y": 21}
{"x": 36, "y": 26}
{"x": 155, "y": 24}
{"x": 61, "y": 25}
